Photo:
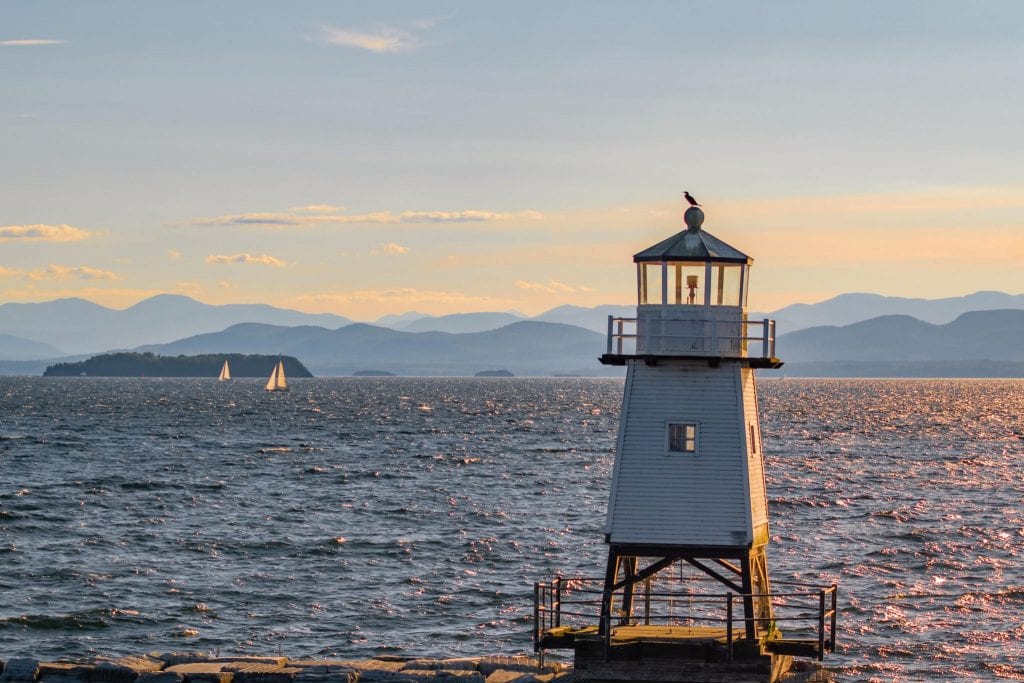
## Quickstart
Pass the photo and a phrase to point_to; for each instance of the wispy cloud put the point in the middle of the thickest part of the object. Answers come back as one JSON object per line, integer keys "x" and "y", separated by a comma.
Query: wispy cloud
{"x": 390, "y": 249}
{"x": 43, "y": 233}
{"x": 259, "y": 259}
{"x": 307, "y": 217}
{"x": 469, "y": 216}
{"x": 382, "y": 39}
{"x": 29, "y": 42}
{"x": 552, "y": 287}
{"x": 173, "y": 254}
{"x": 317, "y": 208}
{"x": 59, "y": 272}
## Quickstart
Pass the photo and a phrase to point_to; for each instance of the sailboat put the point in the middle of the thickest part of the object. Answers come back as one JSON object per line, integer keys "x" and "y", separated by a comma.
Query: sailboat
{"x": 277, "y": 381}
{"x": 225, "y": 373}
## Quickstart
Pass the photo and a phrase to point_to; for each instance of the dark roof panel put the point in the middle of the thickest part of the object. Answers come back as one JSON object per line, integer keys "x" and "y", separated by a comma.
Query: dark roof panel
{"x": 692, "y": 245}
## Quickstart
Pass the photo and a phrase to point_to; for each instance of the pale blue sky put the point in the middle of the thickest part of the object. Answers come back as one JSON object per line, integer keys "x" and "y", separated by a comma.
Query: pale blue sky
{"x": 488, "y": 156}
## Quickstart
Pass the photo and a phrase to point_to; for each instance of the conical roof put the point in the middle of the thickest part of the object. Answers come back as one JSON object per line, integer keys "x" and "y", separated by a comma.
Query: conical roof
{"x": 692, "y": 244}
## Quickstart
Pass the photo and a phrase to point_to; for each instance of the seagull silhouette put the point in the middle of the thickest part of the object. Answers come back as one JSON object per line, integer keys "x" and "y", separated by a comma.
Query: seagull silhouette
{"x": 689, "y": 198}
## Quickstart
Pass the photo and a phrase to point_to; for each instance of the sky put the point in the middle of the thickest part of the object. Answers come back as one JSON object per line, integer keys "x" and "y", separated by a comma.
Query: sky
{"x": 369, "y": 158}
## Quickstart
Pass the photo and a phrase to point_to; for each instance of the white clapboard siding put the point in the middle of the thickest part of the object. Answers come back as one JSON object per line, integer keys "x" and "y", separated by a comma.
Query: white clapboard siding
{"x": 659, "y": 497}
{"x": 755, "y": 452}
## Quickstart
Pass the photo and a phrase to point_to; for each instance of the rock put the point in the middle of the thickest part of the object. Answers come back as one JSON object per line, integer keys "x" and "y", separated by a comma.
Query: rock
{"x": 327, "y": 673}
{"x": 65, "y": 672}
{"x": 261, "y": 673}
{"x": 489, "y": 665}
{"x": 160, "y": 677}
{"x": 203, "y": 672}
{"x": 124, "y": 669}
{"x": 461, "y": 664}
{"x": 20, "y": 670}
{"x": 175, "y": 658}
{"x": 438, "y": 676}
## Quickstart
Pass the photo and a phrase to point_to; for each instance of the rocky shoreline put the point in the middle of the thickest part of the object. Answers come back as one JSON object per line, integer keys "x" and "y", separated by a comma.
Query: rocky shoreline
{"x": 180, "y": 667}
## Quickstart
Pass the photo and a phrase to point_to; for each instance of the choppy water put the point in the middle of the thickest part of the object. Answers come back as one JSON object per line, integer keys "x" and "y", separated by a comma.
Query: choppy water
{"x": 361, "y": 516}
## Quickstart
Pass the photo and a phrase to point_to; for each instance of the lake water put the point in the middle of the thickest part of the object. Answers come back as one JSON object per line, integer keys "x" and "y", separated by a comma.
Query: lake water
{"x": 355, "y": 517}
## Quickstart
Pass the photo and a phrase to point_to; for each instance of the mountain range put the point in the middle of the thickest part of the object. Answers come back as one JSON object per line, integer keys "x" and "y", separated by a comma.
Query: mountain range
{"x": 523, "y": 348}
{"x": 847, "y": 331}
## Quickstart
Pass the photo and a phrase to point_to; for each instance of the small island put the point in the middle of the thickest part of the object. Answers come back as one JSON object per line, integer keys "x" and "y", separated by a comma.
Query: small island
{"x": 152, "y": 365}
{"x": 373, "y": 373}
{"x": 494, "y": 373}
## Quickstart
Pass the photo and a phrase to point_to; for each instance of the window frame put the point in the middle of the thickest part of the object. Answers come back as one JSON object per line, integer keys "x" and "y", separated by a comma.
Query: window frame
{"x": 670, "y": 425}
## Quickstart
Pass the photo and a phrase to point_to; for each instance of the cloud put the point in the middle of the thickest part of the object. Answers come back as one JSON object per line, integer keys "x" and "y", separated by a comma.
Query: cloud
{"x": 552, "y": 287}
{"x": 224, "y": 284}
{"x": 40, "y": 232}
{"x": 261, "y": 259}
{"x": 390, "y": 249}
{"x": 173, "y": 254}
{"x": 307, "y": 216}
{"x": 318, "y": 208}
{"x": 466, "y": 216}
{"x": 10, "y": 272}
{"x": 58, "y": 272}
{"x": 284, "y": 218}
{"x": 26, "y": 42}
{"x": 384, "y": 39}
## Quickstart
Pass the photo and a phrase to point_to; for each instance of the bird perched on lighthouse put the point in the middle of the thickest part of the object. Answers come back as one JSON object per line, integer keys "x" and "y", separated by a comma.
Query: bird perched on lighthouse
{"x": 689, "y": 198}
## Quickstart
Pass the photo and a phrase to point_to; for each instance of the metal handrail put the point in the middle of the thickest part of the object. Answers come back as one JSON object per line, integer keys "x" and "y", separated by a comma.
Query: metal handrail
{"x": 550, "y": 600}
{"x": 617, "y": 334}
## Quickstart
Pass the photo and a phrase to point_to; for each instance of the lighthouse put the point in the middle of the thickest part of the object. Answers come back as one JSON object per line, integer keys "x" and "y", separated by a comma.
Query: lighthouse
{"x": 685, "y": 593}
{"x": 688, "y": 482}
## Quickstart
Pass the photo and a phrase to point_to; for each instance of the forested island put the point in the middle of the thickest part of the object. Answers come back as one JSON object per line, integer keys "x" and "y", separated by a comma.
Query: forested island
{"x": 152, "y": 365}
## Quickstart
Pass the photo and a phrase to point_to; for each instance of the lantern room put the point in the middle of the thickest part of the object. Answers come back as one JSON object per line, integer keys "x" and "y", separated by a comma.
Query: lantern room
{"x": 692, "y": 268}
{"x": 691, "y": 302}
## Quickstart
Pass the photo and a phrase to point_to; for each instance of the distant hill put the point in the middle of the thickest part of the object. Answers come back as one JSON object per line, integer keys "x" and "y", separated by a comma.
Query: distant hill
{"x": 19, "y": 348}
{"x": 524, "y": 348}
{"x": 397, "y": 320}
{"x": 458, "y": 323}
{"x": 78, "y": 326}
{"x": 846, "y": 309}
{"x": 595, "y": 319}
{"x": 975, "y": 336}
{"x": 152, "y": 365}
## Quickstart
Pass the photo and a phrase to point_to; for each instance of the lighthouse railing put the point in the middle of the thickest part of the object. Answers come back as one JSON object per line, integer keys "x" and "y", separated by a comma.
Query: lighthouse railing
{"x": 803, "y": 619}
{"x": 711, "y": 337}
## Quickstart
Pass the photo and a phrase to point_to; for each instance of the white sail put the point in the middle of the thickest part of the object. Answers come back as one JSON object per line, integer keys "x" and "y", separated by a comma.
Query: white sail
{"x": 277, "y": 381}
{"x": 225, "y": 372}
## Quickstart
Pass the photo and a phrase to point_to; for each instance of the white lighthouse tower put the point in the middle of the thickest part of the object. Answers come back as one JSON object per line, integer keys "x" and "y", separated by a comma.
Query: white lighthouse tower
{"x": 687, "y": 507}
{"x": 688, "y": 484}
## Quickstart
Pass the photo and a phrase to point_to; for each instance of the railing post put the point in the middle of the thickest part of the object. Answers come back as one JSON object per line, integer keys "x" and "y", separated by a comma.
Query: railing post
{"x": 728, "y": 626}
{"x": 608, "y": 634}
{"x": 832, "y": 630}
{"x": 622, "y": 333}
{"x": 715, "y": 349}
{"x": 609, "y": 335}
{"x": 821, "y": 625}
{"x": 537, "y": 617}
{"x": 647, "y": 601}
{"x": 558, "y": 600}
{"x": 766, "y": 351}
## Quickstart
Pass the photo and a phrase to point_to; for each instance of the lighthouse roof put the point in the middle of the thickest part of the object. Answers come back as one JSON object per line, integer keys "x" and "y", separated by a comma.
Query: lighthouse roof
{"x": 692, "y": 244}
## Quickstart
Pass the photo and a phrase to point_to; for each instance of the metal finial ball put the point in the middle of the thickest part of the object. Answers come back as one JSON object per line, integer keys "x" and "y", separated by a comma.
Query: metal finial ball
{"x": 694, "y": 218}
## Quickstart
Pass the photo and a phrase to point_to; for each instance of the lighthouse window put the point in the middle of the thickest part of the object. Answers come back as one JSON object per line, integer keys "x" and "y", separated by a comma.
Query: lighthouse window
{"x": 682, "y": 437}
